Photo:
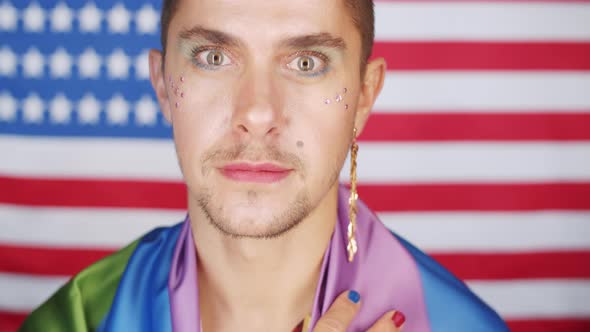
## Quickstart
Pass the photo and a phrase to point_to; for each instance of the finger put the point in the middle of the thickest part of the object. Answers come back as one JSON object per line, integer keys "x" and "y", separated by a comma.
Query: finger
{"x": 392, "y": 321}
{"x": 340, "y": 313}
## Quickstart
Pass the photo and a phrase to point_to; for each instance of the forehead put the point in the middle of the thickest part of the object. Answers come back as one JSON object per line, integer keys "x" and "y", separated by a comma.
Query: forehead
{"x": 265, "y": 19}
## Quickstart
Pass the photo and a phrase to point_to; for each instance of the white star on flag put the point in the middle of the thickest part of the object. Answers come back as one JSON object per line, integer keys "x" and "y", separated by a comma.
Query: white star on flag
{"x": 60, "y": 109}
{"x": 61, "y": 18}
{"x": 33, "y": 109}
{"x": 60, "y": 64}
{"x": 7, "y": 107}
{"x": 7, "y": 62}
{"x": 89, "y": 64}
{"x": 142, "y": 66}
{"x": 89, "y": 18}
{"x": 145, "y": 111}
{"x": 118, "y": 18}
{"x": 147, "y": 20}
{"x": 117, "y": 110}
{"x": 8, "y": 17}
{"x": 33, "y": 63}
{"x": 118, "y": 64}
{"x": 88, "y": 110}
{"x": 34, "y": 18}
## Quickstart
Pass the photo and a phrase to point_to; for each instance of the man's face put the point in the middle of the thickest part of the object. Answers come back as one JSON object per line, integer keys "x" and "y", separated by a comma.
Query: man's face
{"x": 262, "y": 96}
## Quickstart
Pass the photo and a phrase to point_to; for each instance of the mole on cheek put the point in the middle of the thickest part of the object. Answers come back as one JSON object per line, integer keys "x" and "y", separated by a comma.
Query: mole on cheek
{"x": 252, "y": 196}
{"x": 300, "y": 144}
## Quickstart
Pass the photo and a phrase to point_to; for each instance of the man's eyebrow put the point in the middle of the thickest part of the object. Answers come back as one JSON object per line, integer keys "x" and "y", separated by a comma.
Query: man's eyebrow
{"x": 213, "y": 36}
{"x": 322, "y": 39}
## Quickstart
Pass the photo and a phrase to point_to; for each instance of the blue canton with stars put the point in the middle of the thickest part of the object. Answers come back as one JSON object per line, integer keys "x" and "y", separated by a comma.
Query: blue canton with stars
{"x": 79, "y": 68}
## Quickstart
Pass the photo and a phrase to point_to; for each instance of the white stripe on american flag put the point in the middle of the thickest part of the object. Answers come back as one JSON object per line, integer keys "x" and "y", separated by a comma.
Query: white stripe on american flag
{"x": 89, "y": 157}
{"x": 402, "y": 162}
{"x": 473, "y": 91}
{"x": 21, "y": 292}
{"x": 446, "y": 231}
{"x": 80, "y": 228}
{"x": 534, "y": 298}
{"x": 461, "y": 162}
{"x": 492, "y": 231}
{"x": 465, "y": 20}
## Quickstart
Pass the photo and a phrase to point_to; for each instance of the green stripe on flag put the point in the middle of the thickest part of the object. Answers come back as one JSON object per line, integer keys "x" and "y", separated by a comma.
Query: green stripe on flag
{"x": 81, "y": 304}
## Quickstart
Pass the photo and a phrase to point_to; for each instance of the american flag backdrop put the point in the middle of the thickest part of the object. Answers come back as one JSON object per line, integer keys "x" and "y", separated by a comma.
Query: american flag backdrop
{"x": 478, "y": 150}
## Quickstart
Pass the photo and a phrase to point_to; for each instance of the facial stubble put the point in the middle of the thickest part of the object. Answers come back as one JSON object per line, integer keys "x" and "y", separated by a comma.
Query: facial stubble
{"x": 278, "y": 224}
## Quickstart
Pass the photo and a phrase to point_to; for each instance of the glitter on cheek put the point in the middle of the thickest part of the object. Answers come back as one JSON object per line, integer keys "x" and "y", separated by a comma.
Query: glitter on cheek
{"x": 337, "y": 99}
{"x": 176, "y": 88}
{"x": 346, "y": 106}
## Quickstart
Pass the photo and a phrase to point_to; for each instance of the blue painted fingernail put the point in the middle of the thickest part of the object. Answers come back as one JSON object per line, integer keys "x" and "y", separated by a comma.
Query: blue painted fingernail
{"x": 354, "y": 296}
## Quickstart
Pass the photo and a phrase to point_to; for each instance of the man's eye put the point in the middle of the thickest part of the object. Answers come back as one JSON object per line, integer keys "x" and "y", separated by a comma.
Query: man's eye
{"x": 307, "y": 64}
{"x": 212, "y": 58}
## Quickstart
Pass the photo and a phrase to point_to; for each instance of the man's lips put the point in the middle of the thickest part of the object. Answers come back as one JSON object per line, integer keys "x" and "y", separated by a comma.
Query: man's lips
{"x": 247, "y": 172}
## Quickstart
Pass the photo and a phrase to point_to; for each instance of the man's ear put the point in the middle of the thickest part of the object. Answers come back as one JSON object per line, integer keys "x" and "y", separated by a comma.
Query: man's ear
{"x": 158, "y": 79}
{"x": 370, "y": 89}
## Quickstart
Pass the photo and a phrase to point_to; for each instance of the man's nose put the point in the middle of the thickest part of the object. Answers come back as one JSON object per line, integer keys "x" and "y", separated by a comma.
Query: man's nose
{"x": 258, "y": 112}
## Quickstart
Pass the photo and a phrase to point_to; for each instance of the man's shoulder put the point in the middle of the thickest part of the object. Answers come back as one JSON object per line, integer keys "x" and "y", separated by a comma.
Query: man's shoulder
{"x": 82, "y": 302}
{"x": 451, "y": 305}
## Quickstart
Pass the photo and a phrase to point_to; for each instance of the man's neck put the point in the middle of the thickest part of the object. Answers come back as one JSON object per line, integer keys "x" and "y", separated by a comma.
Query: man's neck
{"x": 261, "y": 284}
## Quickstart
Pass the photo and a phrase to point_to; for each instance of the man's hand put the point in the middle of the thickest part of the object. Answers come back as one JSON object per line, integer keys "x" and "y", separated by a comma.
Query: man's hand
{"x": 343, "y": 310}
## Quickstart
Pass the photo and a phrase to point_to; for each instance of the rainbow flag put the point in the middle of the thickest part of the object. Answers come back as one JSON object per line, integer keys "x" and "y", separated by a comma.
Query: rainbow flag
{"x": 151, "y": 285}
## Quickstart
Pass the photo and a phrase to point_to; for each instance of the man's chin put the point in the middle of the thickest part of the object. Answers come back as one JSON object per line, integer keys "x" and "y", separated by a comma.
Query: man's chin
{"x": 263, "y": 216}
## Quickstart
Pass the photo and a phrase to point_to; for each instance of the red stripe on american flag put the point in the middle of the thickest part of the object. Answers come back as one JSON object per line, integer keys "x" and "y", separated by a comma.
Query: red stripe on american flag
{"x": 380, "y": 197}
{"x": 476, "y": 197}
{"x": 492, "y": 266}
{"x": 477, "y": 127}
{"x": 489, "y": 266}
{"x": 48, "y": 261}
{"x": 93, "y": 193}
{"x": 549, "y": 325}
{"x": 402, "y": 55}
{"x": 11, "y": 321}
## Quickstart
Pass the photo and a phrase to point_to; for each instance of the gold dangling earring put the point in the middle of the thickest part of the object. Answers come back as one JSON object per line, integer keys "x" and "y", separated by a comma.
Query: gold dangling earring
{"x": 352, "y": 247}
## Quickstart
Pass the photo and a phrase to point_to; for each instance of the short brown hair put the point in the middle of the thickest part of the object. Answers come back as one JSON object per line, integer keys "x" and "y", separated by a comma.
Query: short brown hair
{"x": 362, "y": 12}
